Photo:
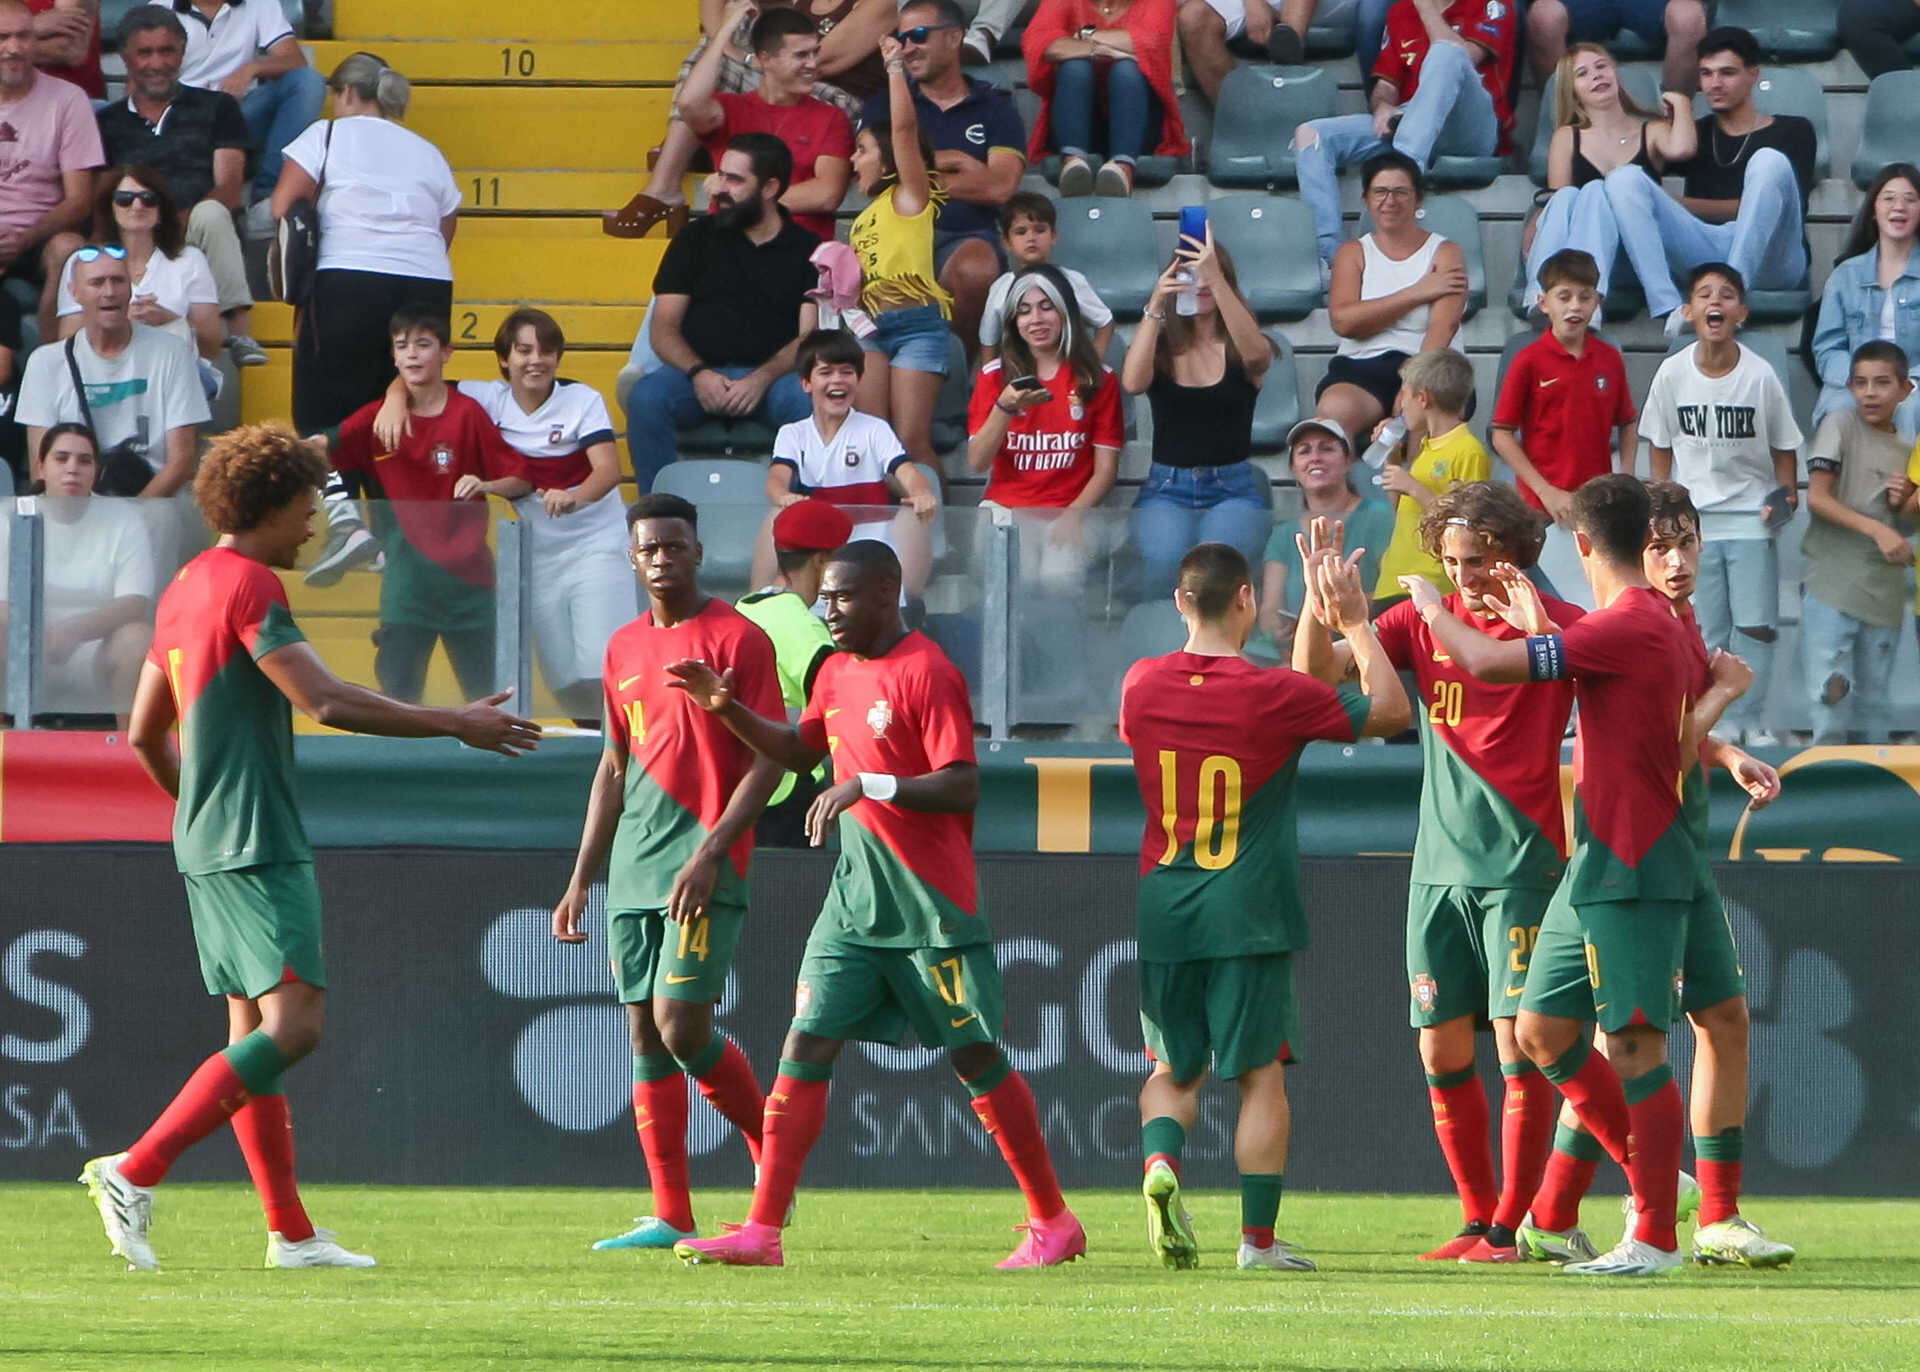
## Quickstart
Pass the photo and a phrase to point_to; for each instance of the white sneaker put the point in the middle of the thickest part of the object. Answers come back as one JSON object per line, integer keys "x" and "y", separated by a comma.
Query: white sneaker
{"x": 1554, "y": 1245}
{"x": 1279, "y": 1258}
{"x": 125, "y": 1209}
{"x": 1628, "y": 1258}
{"x": 1736, "y": 1239}
{"x": 322, "y": 1250}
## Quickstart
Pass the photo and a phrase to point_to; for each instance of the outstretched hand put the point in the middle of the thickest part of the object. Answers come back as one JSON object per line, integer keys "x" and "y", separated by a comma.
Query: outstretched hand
{"x": 1342, "y": 597}
{"x": 1324, "y": 538}
{"x": 1423, "y": 594}
{"x": 711, "y": 691}
{"x": 1521, "y": 605}
{"x": 483, "y": 725}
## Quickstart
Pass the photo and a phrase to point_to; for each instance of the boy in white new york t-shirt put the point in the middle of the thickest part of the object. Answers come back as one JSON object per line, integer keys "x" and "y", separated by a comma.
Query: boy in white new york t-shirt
{"x": 851, "y": 458}
{"x": 1718, "y": 422}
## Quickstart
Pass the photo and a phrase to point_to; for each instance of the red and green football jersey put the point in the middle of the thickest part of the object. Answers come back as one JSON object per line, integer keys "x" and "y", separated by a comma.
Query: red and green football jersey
{"x": 1216, "y": 744}
{"x": 439, "y": 570}
{"x": 905, "y": 878}
{"x": 1490, "y": 813}
{"x": 1634, "y": 685}
{"x": 683, "y": 764}
{"x": 1693, "y": 794}
{"x": 220, "y": 615}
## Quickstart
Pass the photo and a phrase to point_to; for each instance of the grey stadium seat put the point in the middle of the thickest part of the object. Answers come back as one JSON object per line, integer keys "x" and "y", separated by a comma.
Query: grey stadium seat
{"x": 1889, "y": 130}
{"x": 1452, "y": 216}
{"x": 1798, "y": 30}
{"x": 1112, "y": 241}
{"x": 1254, "y": 119}
{"x": 1278, "y": 408}
{"x": 732, "y": 500}
{"x": 1274, "y": 253}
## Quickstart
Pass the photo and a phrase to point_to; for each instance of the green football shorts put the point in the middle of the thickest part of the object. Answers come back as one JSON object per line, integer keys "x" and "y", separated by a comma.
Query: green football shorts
{"x": 1468, "y": 947}
{"x": 949, "y": 997}
{"x": 653, "y": 956}
{"x": 1237, "y": 1012}
{"x": 1613, "y": 961}
{"x": 257, "y": 927}
{"x": 1710, "y": 970}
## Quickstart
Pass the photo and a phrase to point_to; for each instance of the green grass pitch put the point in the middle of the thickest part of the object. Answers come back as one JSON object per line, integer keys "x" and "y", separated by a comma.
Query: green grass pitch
{"x": 885, "y": 1279}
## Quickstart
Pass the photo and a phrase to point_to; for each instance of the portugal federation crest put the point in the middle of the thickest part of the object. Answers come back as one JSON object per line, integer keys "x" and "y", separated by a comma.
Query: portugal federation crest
{"x": 879, "y": 717}
{"x": 442, "y": 456}
{"x": 1425, "y": 991}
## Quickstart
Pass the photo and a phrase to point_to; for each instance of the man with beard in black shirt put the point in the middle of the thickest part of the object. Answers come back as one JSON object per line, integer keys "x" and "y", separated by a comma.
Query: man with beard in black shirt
{"x": 729, "y": 310}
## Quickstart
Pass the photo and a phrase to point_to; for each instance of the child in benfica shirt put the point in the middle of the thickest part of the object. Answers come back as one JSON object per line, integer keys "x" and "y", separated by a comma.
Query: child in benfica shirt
{"x": 429, "y": 512}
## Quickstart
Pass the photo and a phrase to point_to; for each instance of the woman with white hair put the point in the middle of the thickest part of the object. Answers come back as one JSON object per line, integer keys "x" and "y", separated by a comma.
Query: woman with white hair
{"x": 388, "y": 208}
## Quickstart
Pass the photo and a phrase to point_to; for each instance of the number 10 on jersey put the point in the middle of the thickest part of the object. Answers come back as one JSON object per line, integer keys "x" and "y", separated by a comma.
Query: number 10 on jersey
{"x": 1216, "y": 810}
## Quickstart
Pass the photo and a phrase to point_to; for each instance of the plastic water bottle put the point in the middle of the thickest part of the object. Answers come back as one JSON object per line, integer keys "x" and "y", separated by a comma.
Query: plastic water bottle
{"x": 1392, "y": 434}
{"x": 1187, "y": 303}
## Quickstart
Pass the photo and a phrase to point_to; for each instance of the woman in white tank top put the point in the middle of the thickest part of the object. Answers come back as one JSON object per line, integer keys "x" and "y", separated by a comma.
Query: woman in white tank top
{"x": 1396, "y": 291}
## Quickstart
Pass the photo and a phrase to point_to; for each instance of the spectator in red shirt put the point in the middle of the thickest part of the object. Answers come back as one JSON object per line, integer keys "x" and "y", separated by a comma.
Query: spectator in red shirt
{"x": 787, "y": 47}
{"x": 1045, "y": 421}
{"x": 1439, "y": 86}
{"x": 1104, "y": 75}
{"x": 66, "y": 42}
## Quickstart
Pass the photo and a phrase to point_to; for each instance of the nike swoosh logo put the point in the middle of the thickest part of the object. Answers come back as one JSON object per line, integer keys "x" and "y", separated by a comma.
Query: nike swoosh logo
{"x": 628, "y": 682}
{"x": 1516, "y": 991}
{"x": 1439, "y": 656}
{"x": 672, "y": 980}
{"x": 964, "y": 1019}
{"x": 1599, "y": 1005}
{"x": 832, "y": 712}
{"x": 1548, "y": 382}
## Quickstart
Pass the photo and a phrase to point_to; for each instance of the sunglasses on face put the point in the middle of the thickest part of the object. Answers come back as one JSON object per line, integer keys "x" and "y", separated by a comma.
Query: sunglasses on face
{"x": 93, "y": 252}
{"x": 127, "y": 199}
{"x": 917, "y": 36}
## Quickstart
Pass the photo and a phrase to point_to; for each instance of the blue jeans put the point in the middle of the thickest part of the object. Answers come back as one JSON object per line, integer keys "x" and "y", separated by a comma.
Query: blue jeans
{"x": 1765, "y": 242}
{"x": 1737, "y": 601}
{"x": 1575, "y": 217}
{"x": 277, "y": 111}
{"x": 1133, "y": 110}
{"x": 1369, "y": 29}
{"x": 1181, "y": 506}
{"x": 1451, "y": 112}
{"x": 662, "y": 401}
{"x": 1849, "y": 672}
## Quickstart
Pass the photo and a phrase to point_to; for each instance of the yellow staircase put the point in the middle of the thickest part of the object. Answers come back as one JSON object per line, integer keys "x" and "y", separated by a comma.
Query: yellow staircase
{"x": 543, "y": 131}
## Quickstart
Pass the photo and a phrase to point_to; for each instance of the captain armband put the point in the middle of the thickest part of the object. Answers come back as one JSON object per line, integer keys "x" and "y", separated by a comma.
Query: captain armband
{"x": 1546, "y": 657}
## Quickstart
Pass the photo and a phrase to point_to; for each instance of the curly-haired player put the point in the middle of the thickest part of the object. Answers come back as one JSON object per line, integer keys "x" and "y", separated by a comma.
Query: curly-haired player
{"x": 227, "y": 661}
{"x": 1491, "y": 846}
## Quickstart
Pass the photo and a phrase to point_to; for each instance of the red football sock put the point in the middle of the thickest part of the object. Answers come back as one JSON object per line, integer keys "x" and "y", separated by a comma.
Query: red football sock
{"x": 1460, "y": 1123}
{"x": 265, "y": 1131}
{"x": 1569, "y": 1175}
{"x": 660, "y": 1119}
{"x": 212, "y": 1096}
{"x": 1526, "y": 1137}
{"x": 1653, "y": 1167}
{"x": 731, "y": 1088}
{"x": 1595, "y": 1092}
{"x": 1719, "y": 1189}
{"x": 796, "y": 1110}
{"x": 1010, "y": 1116}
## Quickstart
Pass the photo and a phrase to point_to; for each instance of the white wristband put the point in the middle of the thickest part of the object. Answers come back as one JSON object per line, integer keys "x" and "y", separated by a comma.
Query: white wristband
{"x": 878, "y": 785}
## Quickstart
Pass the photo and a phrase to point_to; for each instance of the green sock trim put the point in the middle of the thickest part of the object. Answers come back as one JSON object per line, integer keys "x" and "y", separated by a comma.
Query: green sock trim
{"x": 1640, "y": 1088}
{"x": 1729, "y": 1145}
{"x": 653, "y": 1067}
{"x": 707, "y": 1058}
{"x": 806, "y": 1071}
{"x": 1577, "y": 1143}
{"x": 1163, "y": 1134}
{"x": 1567, "y": 1066}
{"x": 978, "y": 1085}
{"x": 257, "y": 1061}
{"x": 1517, "y": 1069}
{"x": 1446, "y": 1081}
{"x": 1260, "y": 1198}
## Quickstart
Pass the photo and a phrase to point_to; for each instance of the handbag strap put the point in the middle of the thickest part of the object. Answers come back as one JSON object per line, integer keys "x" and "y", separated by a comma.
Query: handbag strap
{"x": 80, "y": 387}
{"x": 326, "y": 150}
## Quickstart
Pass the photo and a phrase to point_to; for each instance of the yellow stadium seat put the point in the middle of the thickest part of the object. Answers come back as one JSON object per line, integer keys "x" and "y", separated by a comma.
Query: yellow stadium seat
{"x": 442, "y": 61}
{"x": 610, "y": 21}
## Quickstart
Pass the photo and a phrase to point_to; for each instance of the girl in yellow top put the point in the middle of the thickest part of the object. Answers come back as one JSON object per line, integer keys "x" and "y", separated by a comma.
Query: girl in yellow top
{"x": 1435, "y": 387}
{"x": 893, "y": 237}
